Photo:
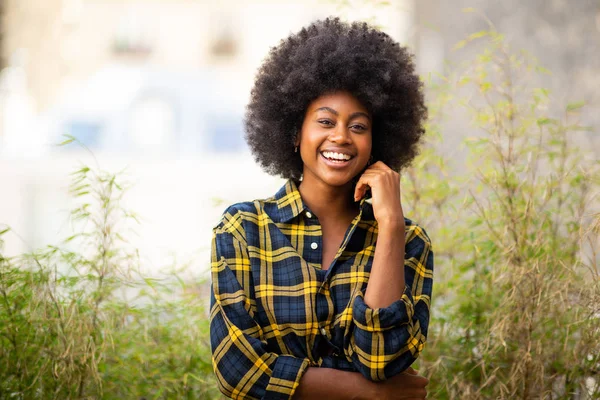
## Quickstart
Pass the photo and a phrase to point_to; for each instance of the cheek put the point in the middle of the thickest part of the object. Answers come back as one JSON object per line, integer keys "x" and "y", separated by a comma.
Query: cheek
{"x": 366, "y": 144}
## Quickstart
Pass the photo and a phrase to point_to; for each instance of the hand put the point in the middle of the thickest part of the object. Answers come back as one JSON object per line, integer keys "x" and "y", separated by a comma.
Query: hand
{"x": 329, "y": 383}
{"x": 385, "y": 190}
{"x": 407, "y": 385}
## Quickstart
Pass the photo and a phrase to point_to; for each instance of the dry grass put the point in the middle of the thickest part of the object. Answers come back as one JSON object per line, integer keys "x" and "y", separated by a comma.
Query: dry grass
{"x": 517, "y": 298}
{"x": 80, "y": 321}
{"x": 516, "y": 311}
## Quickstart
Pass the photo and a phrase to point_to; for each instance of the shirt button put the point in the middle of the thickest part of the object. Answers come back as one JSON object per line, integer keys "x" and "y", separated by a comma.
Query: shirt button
{"x": 308, "y": 214}
{"x": 314, "y": 245}
{"x": 323, "y": 332}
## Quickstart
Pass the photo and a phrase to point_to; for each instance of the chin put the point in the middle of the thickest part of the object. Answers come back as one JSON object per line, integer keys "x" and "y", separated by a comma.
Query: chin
{"x": 337, "y": 181}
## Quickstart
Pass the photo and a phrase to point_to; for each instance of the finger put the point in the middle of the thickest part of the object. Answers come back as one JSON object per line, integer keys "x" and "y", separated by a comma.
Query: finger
{"x": 411, "y": 371}
{"x": 360, "y": 191}
{"x": 414, "y": 395}
{"x": 362, "y": 186}
{"x": 417, "y": 380}
{"x": 423, "y": 381}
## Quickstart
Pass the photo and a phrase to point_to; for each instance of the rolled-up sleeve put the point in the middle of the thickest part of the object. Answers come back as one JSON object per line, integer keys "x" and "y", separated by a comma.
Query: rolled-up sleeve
{"x": 243, "y": 366}
{"x": 385, "y": 341}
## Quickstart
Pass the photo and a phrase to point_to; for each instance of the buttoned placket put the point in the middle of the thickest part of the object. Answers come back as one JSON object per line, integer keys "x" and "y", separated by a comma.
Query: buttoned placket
{"x": 323, "y": 292}
{"x": 324, "y": 304}
{"x": 312, "y": 253}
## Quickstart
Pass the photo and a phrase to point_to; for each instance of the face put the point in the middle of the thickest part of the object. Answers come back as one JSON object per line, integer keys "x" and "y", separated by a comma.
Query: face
{"x": 335, "y": 140}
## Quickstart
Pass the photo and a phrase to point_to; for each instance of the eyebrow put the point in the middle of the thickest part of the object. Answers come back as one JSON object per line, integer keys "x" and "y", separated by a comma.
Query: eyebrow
{"x": 352, "y": 116}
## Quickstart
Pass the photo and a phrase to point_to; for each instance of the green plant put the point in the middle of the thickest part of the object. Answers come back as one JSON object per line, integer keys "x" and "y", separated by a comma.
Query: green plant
{"x": 516, "y": 311}
{"x": 81, "y": 321}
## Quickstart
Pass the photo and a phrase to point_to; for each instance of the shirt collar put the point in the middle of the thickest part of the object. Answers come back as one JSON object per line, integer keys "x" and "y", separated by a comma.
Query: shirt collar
{"x": 290, "y": 204}
{"x": 288, "y": 200}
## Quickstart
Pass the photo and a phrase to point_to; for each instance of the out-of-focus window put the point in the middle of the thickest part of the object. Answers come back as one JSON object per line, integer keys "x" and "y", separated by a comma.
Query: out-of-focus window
{"x": 134, "y": 35}
{"x": 152, "y": 124}
{"x": 87, "y": 132}
{"x": 224, "y": 37}
{"x": 226, "y": 134}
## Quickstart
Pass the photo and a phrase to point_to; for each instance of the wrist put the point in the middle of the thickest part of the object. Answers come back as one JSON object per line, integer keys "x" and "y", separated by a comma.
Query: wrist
{"x": 372, "y": 391}
{"x": 364, "y": 389}
{"x": 392, "y": 225}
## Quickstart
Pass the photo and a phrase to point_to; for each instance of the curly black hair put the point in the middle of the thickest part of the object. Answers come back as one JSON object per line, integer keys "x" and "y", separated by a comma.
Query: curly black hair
{"x": 327, "y": 56}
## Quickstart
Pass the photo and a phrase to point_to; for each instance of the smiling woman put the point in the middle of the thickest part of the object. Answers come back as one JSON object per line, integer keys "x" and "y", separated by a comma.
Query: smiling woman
{"x": 317, "y": 293}
{"x": 335, "y": 140}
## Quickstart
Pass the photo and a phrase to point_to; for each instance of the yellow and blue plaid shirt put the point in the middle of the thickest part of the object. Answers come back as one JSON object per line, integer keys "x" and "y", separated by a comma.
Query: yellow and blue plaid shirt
{"x": 275, "y": 311}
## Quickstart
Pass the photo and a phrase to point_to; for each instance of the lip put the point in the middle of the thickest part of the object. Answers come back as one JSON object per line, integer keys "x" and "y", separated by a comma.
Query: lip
{"x": 334, "y": 164}
{"x": 341, "y": 151}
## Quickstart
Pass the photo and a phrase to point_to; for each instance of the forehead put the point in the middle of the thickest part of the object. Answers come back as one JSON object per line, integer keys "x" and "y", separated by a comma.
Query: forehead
{"x": 341, "y": 101}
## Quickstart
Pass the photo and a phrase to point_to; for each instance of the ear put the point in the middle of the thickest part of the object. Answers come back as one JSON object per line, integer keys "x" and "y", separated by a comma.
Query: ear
{"x": 297, "y": 138}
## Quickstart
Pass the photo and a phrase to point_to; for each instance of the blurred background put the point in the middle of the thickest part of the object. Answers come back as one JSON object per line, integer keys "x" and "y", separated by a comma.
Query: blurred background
{"x": 159, "y": 87}
{"x": 507, "y": 187}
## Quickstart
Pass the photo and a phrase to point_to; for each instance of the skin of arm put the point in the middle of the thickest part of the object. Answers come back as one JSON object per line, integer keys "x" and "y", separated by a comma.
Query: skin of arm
{"x": 386, "y": 282}
{"x": 332, "y": 384}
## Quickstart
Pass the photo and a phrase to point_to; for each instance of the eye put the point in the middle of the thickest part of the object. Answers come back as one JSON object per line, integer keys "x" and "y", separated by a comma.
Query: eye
{"x": 359, "y": 127}
{"x": 325, "y": 121}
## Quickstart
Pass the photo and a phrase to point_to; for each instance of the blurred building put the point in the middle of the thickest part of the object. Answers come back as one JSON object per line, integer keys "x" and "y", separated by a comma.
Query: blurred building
{"x": 159, "y": 86}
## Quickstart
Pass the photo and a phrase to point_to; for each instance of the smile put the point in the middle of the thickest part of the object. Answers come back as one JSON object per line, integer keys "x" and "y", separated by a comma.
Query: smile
{"x": 336, "y": 157}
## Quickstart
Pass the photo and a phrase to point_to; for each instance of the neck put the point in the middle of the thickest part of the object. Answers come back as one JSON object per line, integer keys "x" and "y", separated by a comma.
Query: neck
{"x": 328, "y": 202}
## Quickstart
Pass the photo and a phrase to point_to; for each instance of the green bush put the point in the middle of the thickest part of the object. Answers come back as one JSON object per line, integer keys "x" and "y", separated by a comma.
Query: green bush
{"x": 517, "y": 293}
{"x": 516, "y": 312}
{"x": 85, "y": 323}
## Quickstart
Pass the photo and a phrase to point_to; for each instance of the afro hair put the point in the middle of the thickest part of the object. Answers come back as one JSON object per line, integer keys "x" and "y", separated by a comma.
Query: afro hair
{"x": 328, "y": 56}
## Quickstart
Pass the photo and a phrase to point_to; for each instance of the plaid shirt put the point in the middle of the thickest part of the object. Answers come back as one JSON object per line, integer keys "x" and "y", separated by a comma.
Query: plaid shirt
{"x": 275, "y": 311}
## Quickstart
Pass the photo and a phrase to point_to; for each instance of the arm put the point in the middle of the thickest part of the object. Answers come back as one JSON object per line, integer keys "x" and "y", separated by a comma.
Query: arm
{"x": 387, "y": 340}
{"x": 237, "y": 351}
{"x": 386, "y": 281}
{"x": 332, "y": 384}
{"x": 391, "y": 318}
{"x": 243, "y": 366}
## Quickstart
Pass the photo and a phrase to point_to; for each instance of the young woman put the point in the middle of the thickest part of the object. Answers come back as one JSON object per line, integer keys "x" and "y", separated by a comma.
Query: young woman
{"x": 316, "y": 292}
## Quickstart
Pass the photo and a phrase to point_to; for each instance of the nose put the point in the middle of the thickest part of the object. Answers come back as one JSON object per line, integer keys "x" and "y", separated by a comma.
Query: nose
{"x": 340, "y": 134}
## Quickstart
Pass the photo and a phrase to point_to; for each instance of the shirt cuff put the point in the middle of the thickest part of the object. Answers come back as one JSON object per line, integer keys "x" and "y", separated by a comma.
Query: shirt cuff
{"x": 285, "y": 377}
{"x": 380, "y": 319}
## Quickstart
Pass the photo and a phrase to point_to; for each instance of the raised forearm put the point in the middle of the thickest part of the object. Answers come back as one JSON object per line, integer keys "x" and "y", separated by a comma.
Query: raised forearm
{"x": 328, "y": 383}
{"x": 386, "y": 281}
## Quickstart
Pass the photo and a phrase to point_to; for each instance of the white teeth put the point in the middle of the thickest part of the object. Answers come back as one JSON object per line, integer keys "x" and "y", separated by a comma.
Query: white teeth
{"x": 336, "y": 156}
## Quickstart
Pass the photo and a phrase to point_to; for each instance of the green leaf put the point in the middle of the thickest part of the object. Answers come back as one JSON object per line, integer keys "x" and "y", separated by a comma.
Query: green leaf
{"x": 69, "y": 139}
{"x": 464, "y": 80}
{"x": 478, "y": 35}
{"x": 485, "y": 86}
{"x": 70, "y": 238}
{"x": 543, "y": 70}
{"x": 545, "y": 121}
{"x": 575, "y": 106}
{"x": 460, "y": 45}
{"x": 65, "y": 142}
